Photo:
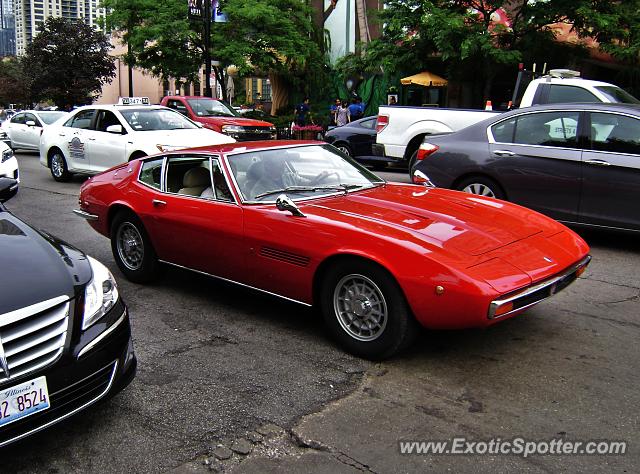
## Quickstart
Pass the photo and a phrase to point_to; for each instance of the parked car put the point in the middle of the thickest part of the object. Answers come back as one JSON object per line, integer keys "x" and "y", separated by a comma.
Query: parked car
{"x": 355, "y": 139}
{"x": 65, "y": 338}
{"x": 301, "y": 221}
{"x": 402, "y": 129}
{"x": 24, "y": 129}
{"x": 8, "y": 163}
{"x": 217, "y": 115}
{"x": 578, "y": 163}
{"x": 96, "y": 137}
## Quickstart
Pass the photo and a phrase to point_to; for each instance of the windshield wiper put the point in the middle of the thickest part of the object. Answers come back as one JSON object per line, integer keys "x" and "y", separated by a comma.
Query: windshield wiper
{"x": 298, "y": 189}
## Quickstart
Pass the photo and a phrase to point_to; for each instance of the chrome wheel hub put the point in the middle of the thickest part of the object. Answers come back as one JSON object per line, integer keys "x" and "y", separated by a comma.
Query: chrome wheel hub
{"x": 480, "y": 189}
{"x": 360, "y": 307}
{"x": 57, "y": 166}
{"x": 130, "y": 246}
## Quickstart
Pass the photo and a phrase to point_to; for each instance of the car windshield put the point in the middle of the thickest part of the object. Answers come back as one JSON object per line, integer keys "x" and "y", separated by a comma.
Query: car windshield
{"x": 299, "y": 171}
{"x": 205, "y": 107}
{"x": 144, "y": 120}
{"x": 50, "y": 117}
{"x": 615, "y": 94}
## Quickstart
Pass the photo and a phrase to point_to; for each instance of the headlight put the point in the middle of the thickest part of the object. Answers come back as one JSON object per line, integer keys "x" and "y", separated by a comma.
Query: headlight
{"x": 100, "y": 295}
{"x": 7, "y": 155}
{"x": 229, "y": 129}
{"x": 164, "y": 148}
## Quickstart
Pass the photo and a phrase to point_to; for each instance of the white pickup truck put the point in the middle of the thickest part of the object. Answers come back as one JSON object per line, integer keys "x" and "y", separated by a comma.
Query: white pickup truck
{"x": 400, "y": 130}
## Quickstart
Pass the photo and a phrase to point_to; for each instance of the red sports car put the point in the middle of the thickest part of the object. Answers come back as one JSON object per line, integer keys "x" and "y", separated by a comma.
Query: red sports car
{"x": 302, "y": 221}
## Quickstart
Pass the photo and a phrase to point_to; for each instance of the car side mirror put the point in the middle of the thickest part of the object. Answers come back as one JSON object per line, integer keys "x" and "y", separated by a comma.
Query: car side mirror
{"x": 30, "y": 123}
{"x": 117, "y": 129}
{"x": 420, "y": 178}
{"x": 8, "y": 189}
{"x": 284, "y": 203}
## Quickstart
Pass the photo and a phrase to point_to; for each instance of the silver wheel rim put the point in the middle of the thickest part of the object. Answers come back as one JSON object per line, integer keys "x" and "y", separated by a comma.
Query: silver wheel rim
{"x": 360, "y": 307}
{"x": 344, "y": 150}
{"x": 130, "y": 246}
{"x": 480, "y": 189}
{"x": 57, "y": 165}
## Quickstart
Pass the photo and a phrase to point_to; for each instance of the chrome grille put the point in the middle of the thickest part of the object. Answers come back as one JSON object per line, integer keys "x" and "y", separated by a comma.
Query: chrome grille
{"x": 32, "y": 337}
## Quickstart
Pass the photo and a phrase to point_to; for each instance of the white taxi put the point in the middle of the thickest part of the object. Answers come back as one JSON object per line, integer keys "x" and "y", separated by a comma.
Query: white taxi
{"x": 96, "y": 137}
{"x": 8, "y": 163}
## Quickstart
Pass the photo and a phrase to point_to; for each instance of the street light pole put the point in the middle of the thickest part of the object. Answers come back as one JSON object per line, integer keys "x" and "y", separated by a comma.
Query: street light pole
{"x": 207, "y": 46}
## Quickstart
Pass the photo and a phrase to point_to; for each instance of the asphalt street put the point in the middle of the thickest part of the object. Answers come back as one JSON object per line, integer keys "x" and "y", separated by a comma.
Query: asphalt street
{"x": 232, "y": 380}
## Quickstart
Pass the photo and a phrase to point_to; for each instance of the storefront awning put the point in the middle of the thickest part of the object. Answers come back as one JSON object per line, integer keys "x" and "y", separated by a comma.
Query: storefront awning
{"x": 424, "y": 79}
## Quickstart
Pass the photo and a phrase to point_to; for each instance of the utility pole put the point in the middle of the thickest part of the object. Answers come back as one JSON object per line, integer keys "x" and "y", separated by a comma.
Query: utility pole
{"x": 207, "y": 47}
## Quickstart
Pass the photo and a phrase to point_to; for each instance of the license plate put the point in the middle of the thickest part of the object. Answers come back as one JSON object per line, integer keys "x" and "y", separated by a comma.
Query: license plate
{"x": 23, "y": 400}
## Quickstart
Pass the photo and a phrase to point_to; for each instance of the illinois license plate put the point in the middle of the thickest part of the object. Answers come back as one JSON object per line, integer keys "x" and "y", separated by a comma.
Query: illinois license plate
{"x": 23, "y": 400}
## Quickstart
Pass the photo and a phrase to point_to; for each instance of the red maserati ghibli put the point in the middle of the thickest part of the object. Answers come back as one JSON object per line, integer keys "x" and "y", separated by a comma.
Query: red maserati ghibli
{"x": 304, "y": 222}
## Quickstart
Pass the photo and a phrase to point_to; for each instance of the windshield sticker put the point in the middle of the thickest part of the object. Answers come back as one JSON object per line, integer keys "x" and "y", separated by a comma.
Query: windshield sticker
{"x": 76, "y": 149}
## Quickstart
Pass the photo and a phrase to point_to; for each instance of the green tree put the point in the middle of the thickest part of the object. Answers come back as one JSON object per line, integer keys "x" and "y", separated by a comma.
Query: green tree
{"x": 68, "y": 63}
{"x": 272, "y": 37}
{"x": 13, "y": 89}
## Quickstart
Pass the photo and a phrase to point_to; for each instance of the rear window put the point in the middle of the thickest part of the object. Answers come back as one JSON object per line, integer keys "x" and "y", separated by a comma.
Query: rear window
{"x": 559, "y": 94}
{"x": 615, "y": 94}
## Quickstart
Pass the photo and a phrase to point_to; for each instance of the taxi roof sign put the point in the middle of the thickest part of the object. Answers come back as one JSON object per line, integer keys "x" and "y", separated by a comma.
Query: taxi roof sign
{"x": 134, "y": 101}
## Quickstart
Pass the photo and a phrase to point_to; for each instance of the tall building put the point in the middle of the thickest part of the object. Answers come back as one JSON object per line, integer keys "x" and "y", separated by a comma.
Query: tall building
{"x": 7, "y": 29}
{"x": 30, "y": 14}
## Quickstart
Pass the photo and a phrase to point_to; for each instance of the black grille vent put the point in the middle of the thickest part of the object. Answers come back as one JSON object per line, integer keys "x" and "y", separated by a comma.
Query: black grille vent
{"x": 285, "y": 256}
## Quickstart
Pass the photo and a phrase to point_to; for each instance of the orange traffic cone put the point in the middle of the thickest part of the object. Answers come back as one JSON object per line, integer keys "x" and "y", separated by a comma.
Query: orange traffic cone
{"x": 488, "y": 106}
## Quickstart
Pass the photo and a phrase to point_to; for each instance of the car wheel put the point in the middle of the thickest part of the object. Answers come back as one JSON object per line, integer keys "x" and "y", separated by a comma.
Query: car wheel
{"x": 412, "y": 161}
{"x": 344, "y": 148}
{"x": 482, "y": 186}
{"x": 58, "y": 166}
{"x": 365, "y": 310}
{"x": 132, "y": 248}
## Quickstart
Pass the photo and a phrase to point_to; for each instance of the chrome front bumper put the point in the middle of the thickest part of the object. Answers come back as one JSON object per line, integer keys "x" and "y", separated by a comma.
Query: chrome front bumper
{"x": 85, "y": 215}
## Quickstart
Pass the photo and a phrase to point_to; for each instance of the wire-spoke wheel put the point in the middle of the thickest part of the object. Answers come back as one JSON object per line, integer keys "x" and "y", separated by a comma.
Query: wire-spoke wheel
{"x": 481, "y": 186}
{"x": 360, "y": 307}
{"x": 58, "y": 166}
{"x": 345, "y": 149}
{"x": 132, "y": 248}
{"x": 365, "y": 309}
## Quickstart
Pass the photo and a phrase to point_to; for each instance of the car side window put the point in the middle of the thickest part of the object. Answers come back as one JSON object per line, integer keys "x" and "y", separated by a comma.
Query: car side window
{"x": 105, "y": 119}
{"x": 557, "y": 129}
{"x": 503, "y": 131}
{"x": 81, "y": 120}
{"x": 615, "y": 133}
{"x": 151, "y": 173}
{"x": 18, "y": 118}
{"x": 188, "y": 175}
{"x": 566, "y": 94}
{"x": 33, "y": 118}
{"x": 220, "y": 189}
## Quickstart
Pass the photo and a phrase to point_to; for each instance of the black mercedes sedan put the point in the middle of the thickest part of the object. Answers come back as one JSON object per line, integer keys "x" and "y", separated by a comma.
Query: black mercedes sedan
{"x": 578, "y": 163}
{"x": 65, "y": 337}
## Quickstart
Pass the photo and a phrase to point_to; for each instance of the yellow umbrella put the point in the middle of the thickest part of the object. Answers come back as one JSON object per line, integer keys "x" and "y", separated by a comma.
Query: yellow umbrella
{"x": 424, "y": 79}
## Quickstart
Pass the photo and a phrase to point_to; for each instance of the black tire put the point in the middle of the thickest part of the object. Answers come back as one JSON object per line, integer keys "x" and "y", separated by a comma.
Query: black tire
{"x": 58, "y": 167}
{"x": 137, "y": 154}
{"x": 395, "y": 331}
{"x": 482, "y": 186}
{"x": 132, "y": 248}
{"x": 412, "y": 162}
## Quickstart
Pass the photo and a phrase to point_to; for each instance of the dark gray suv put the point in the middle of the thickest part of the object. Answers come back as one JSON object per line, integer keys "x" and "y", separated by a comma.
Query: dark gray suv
{"x": 578, "y": 163}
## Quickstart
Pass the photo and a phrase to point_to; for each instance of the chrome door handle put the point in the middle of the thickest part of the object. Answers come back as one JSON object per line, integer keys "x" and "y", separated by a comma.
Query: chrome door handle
{"x": 504, "y": 153}
{"x": 158, "y": 202}
{"x": 598, "y": 162}
{"x": 92, "y": 139}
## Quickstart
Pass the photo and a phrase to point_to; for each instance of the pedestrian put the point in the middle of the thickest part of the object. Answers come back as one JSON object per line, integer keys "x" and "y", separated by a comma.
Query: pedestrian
{"x": 333, "y": 110}
{"x": 354, "y": 109}
{"x": 302, "y": 112}
{"x": 392, "y": 100}
{"x": 343, "y": 115}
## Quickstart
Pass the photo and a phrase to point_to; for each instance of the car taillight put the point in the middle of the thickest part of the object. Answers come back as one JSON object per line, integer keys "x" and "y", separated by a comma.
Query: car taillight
{"x": 425, "y": 150}
{"x": 381, "y": 124}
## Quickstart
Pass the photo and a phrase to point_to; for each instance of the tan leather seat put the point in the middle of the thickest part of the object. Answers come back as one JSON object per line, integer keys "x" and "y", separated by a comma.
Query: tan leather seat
{"x": 195, "y": 181}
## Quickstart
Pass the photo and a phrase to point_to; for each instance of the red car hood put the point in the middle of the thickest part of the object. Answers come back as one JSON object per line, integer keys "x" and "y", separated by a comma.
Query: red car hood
{"x": 460, "y": 223}
{"x": 244, "y": 122}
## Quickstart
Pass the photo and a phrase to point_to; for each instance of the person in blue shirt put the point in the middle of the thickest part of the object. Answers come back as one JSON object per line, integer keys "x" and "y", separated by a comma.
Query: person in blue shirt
{"x": 354, "y": 110}
{"x": 333, "y": 110}
{"x": 302, "y": 112}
